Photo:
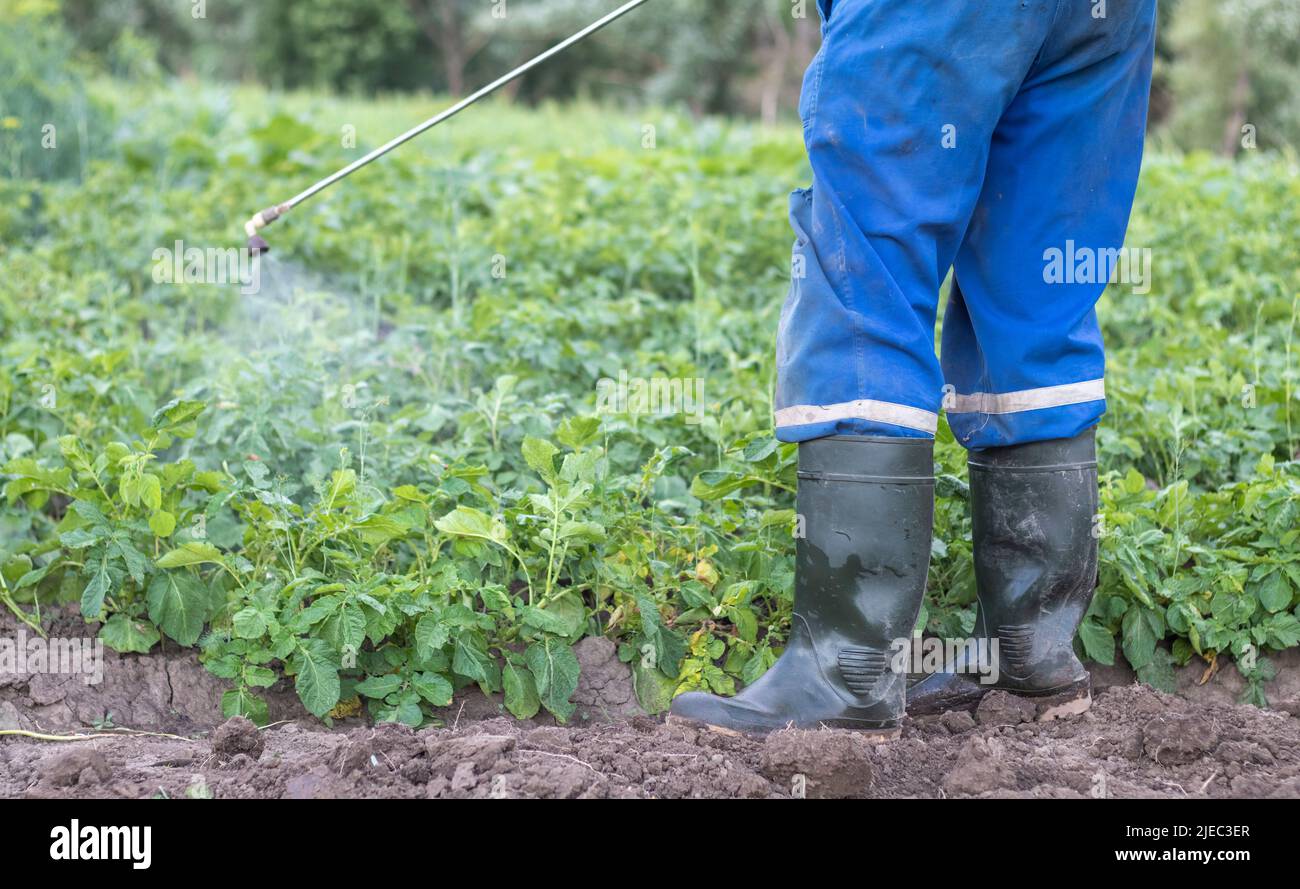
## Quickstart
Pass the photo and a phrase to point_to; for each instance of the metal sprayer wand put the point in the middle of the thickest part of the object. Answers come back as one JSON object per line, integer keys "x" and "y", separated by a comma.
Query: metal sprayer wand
{"x": 265, "y": 217}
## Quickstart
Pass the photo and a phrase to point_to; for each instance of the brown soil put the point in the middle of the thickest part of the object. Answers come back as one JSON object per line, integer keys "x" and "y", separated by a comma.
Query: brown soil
{"x": 1134, "y": 742}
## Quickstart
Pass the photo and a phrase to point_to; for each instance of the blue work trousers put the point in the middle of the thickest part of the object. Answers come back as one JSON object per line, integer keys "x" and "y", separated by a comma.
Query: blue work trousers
{"x": 1001, "y": 139}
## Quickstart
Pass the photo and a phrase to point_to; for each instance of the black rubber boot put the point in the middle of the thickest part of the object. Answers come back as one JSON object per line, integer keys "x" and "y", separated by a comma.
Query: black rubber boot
{"x": 868, "y": 505}
{"x": 1032, "y": 513}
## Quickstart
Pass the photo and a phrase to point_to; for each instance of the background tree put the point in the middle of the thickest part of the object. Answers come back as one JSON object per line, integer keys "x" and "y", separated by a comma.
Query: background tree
{"x": 1220, "y": 64}
{"x": 1235, "y": 63}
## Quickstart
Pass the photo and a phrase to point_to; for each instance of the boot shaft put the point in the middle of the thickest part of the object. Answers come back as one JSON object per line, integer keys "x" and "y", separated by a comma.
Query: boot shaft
{"x": 1033, "y": 509}
{"x": 867, "y": 505}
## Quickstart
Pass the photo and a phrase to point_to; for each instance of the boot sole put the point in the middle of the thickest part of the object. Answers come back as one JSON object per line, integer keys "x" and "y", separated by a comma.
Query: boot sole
{"x": 1065, "y": 704}
{"x": 1055, "y": 704}
{"x": 870, "y": 735}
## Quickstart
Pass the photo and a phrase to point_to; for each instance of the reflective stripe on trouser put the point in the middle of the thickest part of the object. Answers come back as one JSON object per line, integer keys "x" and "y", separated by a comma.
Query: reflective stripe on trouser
{"x": 1002, "y": 140}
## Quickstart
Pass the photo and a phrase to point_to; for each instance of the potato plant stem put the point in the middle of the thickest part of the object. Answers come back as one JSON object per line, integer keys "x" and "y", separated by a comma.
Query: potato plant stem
{"x": 18, "y": 612}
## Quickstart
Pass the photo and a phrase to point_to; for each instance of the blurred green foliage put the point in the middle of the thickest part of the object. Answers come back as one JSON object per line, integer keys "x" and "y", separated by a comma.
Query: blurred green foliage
{"x": 1221, "y": 64}
{"x": 1234, "y": 74}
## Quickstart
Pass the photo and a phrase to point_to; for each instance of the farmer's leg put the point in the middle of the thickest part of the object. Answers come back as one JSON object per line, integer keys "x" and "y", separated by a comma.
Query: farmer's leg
{"x": 1021, "y": 347}
{"x": 1022, "y": 350}
{"x": 898, "y": 107}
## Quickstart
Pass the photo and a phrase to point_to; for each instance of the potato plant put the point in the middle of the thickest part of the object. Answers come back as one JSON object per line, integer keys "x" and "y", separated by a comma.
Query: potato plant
{"x": 388, "y": 475}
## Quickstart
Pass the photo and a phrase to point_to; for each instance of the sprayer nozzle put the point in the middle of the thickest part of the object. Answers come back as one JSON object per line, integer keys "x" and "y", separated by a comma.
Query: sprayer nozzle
{"x": 259, "y": 221}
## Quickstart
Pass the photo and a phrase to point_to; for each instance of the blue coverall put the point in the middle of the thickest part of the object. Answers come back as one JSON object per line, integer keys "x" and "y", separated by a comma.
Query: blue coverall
{"x": 977, "y": 136}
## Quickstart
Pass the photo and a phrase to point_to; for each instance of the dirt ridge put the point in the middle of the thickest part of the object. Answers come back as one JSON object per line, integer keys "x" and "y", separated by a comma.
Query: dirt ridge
{"x": 1135, "y": 742}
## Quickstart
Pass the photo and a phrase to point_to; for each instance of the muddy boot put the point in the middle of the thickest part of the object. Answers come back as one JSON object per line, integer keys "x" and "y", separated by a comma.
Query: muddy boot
{"x": 1032, "y": 512}
{"x": 867, "y": 503}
